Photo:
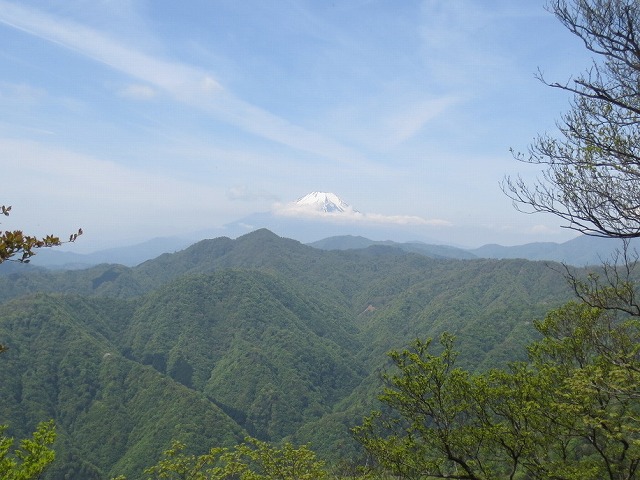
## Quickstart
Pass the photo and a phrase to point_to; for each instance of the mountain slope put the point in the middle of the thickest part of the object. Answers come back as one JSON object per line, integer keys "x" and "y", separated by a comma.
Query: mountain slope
{"x": 260, "y": 334}
{"x": 253, "y": 343}
{"x": 350, "y": 242}
{"x": 112, "y": 414}
{"x": 580, "y": 251}
{"x": 129, "y": 255}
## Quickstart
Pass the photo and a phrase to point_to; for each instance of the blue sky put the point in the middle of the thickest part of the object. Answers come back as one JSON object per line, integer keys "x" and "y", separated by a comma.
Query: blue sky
{"x": 136, "y": 119}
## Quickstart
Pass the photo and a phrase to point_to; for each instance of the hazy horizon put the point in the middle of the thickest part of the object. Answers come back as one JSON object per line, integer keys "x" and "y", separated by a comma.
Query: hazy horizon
{"x": 137, "y": 119}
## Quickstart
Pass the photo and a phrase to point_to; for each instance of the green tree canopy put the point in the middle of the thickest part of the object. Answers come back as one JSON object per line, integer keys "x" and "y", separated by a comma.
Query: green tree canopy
{"x": 34, "y": 455}
{"x": 251, "y": 460}
{"x": 571, "y": 412}
{"x": 30, "y": 459}
{"x": 16, "y": 243}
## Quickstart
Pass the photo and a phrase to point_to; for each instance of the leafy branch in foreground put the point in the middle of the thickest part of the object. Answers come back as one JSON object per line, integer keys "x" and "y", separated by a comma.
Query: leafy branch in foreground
{"x": 251, "y": 460}
{"x": 32, "y": 457}
{"x": 16, "y": 243}
{"x": 591, "y": 170}
{"x": 571, "y": 412}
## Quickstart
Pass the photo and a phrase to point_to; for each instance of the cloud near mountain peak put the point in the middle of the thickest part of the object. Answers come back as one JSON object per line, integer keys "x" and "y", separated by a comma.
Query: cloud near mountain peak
{"x": 314, "y": 206}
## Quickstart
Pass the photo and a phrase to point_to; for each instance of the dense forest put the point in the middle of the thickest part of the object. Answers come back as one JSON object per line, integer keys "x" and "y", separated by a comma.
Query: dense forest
{"x": 259, "y": 336}
{"x": 262, "y": 358}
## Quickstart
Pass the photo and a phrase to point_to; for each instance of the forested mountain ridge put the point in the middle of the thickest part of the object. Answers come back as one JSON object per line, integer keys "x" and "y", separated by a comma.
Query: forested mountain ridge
{"x": 580, "y": 251}
{"x": 350, "y": 242}
{"x": 259, "y": 335}
{"x": 64, "y": 363}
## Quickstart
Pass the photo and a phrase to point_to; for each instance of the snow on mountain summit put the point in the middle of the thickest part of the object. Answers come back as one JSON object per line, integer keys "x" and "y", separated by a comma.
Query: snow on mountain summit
{"x": 325, "y": 202}
{"x": 329, "y": 208}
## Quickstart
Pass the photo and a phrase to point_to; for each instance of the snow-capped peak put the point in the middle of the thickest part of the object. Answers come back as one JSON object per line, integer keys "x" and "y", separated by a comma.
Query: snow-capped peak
{"x": 325, "y": 202}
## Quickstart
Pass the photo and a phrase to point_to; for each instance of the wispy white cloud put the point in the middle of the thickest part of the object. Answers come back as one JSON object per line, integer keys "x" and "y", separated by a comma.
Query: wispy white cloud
{"x": 185, "y": 83}
{"x": 66, "y": 190}
{"x": 382, "y": 124}
{"x": 32, "y": 110}
{"x": 405, "y": 125}
{"x": 543, "y": 230}
{"x": 20, "y": 92}
{"x": 137, "y": 91}
{"x": 353, "y": 216}
{"x": 457, "y": 42}
{"x": 524, "y": 230}
{"x": 247, "y": 194}
{"x": 275, "y": 99}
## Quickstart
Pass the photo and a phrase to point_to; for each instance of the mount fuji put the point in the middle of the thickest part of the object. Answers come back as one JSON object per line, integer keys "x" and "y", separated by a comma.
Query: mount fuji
{"x": 325, "y": 221}
{"x": 319, "y": 215}
{"x": 324, "y": 202}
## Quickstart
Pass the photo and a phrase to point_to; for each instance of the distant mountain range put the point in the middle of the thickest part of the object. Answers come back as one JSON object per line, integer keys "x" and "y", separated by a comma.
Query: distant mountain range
{"x": 580, "y": 251}
{"x": 326, "y": 216}
{"x": 130, "y": 255}
{"x": 319, "y": 215}
{"x": 349, "y": 242}
{"x": 260, "y": 335}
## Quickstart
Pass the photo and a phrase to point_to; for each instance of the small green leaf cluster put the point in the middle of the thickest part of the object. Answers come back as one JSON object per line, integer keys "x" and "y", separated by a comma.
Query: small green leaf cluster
{"x": 31, "y": 458}
{"x": 15, "y": 242}
{"x": 251, "y": 460}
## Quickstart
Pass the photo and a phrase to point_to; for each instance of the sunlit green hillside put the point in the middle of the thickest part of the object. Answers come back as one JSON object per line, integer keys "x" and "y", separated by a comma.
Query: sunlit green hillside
{"x": 259, "y": 335}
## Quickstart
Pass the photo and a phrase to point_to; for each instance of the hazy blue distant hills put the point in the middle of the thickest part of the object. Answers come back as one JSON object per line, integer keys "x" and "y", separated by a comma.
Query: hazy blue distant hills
{"x": 326, "y": 216}
{"x": 311, "y": 229}
{"x": 349, "y": 242}
{"x": 580, "y": 251}
{"x": 129, "y": 255}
